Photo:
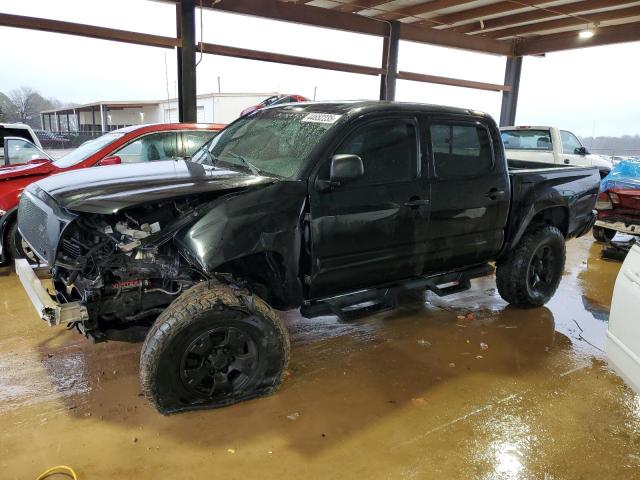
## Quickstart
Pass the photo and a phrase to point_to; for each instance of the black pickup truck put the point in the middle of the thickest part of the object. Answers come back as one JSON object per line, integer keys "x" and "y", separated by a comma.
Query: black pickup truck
{"x": 327, "y": 207}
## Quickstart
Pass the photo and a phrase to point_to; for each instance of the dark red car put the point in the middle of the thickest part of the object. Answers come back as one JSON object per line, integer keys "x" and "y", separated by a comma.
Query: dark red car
{"x": 140, "y": 143}
{"x": 274, "y": 100}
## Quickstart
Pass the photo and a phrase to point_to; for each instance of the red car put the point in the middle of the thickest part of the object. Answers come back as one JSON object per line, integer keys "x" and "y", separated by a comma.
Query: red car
{"x": 140, "y": 143}
{"x": 618, "y": 203}
{"x": 275, "y": 100}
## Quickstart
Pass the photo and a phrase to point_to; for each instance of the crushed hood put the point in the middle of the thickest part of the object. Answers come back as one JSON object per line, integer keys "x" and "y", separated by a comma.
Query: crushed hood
{"x": 112, "y": 188}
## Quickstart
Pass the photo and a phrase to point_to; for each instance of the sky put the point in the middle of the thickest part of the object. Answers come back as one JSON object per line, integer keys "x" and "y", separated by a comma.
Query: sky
{"x": 586, "y": 90}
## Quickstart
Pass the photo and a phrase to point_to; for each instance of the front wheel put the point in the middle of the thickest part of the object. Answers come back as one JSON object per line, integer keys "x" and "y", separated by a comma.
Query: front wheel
{"x": 531, "y": 273}
{"x": 603, "y": 235}
{"x": 214, "y": 346}
{"x": 16, "y": 245}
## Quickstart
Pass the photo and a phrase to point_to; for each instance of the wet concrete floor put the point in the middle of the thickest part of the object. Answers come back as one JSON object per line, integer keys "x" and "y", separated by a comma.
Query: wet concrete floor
{"x": 414, "y": 393}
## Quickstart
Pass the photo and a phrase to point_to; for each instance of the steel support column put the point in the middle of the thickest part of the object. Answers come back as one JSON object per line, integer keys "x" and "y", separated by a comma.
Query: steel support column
{"x": 390, "y": 62}
{"x": 510, "y": 98}
{"x": 186, "y": 29}
{"x": 102, "y": 124}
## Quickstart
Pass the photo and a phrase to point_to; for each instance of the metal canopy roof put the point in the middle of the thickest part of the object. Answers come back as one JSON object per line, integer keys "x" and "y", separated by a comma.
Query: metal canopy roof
{"x": 511, "y": 27}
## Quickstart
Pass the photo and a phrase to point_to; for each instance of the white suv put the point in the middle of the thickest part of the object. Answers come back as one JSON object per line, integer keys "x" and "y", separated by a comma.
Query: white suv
{"x": 17, "y": 130}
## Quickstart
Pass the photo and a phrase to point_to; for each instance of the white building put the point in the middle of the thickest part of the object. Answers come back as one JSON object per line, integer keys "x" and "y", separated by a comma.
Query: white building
{"x": 105, "y": 116}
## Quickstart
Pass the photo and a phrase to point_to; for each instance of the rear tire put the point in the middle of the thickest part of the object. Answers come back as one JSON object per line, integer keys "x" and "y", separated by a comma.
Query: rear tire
{"x": 530, "y": 275}
{"x": 214, "y": 346}
{"x": 602, "y": 234}
{"x": 17, "y": 247}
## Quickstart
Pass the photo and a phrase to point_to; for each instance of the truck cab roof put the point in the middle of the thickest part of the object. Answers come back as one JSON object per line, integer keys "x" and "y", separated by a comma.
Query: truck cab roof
{"x": 360, "y": 107}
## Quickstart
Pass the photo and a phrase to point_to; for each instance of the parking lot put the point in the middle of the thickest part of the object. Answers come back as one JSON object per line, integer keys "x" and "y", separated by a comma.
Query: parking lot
{"x": 424, "y": 391}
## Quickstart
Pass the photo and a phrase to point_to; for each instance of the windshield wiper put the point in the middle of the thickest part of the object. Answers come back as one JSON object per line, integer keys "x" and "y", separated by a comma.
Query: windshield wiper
{"x": 255, "y": 170}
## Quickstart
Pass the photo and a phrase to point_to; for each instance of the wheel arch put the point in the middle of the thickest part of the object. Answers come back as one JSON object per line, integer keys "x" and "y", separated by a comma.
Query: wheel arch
{"x": 266, "y": 274}
{"x": 5, "y": 225}
{"x": 556, "y": 215}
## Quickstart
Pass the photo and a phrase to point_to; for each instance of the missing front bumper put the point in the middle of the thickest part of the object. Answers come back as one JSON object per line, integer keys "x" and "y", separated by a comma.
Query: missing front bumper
{"x": 48, "y": 309}
{"x": 619, "y": 226}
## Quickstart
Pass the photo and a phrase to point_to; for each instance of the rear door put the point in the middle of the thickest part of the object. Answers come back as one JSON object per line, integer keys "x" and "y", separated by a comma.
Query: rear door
{"x": 373, "y": 230}
{"x": 470, "y": 192}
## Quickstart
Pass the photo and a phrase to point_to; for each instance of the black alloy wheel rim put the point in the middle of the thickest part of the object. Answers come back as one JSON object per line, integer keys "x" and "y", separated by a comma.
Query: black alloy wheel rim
{"x": 219, "y": 362}
{"x": 542, "y": 269}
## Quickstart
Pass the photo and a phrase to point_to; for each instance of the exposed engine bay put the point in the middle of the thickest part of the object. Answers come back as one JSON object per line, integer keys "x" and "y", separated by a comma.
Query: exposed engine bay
{"x": 125, "y": 267}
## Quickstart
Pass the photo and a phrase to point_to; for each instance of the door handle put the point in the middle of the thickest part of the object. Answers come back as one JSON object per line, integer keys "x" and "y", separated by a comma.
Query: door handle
{"x": 495, "y": 193}
{"x": 567, "y": 161}
{"x": 416, "y": 203}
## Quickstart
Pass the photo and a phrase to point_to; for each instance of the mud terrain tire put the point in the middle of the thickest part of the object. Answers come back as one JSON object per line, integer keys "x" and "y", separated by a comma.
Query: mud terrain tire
{"x": 213, "y": 346}
{"x": 602, "y": 234}
{"x": 530, "y": 275}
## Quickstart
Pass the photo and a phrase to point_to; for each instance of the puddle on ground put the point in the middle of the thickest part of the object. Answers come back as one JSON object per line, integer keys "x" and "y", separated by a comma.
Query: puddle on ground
{"x": 457, "y": 384}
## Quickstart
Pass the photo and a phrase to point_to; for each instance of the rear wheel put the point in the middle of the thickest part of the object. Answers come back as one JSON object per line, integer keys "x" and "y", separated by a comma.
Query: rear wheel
{"x": 530, "y": 275}
{"x": 602, "y": 234}
{"x": 16, "y": 245}
{"x": 214, "y": 346}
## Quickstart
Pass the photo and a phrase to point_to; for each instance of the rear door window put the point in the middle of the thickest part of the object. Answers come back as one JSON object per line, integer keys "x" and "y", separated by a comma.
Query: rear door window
{"x": 149, "y": 148}
{"x": 460, "y": 150}
{"x": 388, "y": 149}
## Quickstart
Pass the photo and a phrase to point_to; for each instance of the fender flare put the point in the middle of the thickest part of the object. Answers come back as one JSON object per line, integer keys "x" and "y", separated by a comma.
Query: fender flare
{"x": 530, "y": 215}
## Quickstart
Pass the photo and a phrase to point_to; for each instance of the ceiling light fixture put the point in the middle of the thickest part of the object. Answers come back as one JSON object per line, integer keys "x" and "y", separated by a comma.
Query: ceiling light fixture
{"x": 588, "y": 32}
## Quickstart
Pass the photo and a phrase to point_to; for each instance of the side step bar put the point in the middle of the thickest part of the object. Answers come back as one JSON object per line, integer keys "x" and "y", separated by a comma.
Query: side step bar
{"x": 366, "y": 302}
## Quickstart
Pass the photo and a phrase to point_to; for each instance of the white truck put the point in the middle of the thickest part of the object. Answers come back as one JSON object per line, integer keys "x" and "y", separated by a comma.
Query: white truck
{"x": 549, "y": 145}
{"x": 16, "y": 131}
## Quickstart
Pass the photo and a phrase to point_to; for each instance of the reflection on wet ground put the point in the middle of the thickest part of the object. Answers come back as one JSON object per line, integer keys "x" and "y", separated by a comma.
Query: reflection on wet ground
{"x": 426, "y": 391}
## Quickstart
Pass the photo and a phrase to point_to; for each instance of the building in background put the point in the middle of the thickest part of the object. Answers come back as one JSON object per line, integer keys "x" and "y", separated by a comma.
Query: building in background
{"x": 106, "y": 116}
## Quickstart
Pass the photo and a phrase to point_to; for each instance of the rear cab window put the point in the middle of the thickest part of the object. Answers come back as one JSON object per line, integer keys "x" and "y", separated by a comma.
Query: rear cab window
{"x": 527, "y": 139}
{"x": 460, "y": 149}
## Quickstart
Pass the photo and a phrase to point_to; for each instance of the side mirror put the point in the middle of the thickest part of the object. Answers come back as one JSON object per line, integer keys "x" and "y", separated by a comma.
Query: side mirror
{"x": 580, "y": 151}
{"x": 113, "y": 160}
{"x": 345, "y": 168}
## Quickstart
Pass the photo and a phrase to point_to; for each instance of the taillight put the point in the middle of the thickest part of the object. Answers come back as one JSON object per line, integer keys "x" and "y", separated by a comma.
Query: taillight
{"x": 604, "y": 202}
{"x": 615, "y": 199}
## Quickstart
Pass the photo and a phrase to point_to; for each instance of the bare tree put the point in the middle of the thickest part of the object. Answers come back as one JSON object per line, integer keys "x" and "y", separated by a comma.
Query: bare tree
{"x": 23, "y": 100}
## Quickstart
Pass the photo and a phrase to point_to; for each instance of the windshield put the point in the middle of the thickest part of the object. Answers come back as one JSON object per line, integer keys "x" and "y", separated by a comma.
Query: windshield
{"x": 87, "y": 149}
{"x": 276, "y": 142}
{"x": 526, "y": 139}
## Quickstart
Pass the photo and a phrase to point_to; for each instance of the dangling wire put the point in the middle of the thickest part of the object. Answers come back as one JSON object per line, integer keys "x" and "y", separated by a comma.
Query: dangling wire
{"x": 201, "y": 34}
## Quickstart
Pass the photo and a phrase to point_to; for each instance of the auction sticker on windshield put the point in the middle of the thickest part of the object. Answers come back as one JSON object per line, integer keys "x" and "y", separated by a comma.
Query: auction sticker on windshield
{"x": 320, "y": 118}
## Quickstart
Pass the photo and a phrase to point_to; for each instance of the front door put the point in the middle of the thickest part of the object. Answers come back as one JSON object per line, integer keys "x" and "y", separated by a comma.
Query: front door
{"x": 469, "y": 194}
{"x": 570, "y": 144}
{"x": 371, "y": 231}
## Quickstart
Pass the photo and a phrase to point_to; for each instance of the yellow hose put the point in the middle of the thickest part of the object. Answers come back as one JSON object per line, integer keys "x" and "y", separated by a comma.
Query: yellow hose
{"x": 61, "y": 470}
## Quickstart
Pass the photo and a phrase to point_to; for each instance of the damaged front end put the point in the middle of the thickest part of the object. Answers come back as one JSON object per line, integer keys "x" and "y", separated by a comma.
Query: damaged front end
{"x": 120, "y": 271}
